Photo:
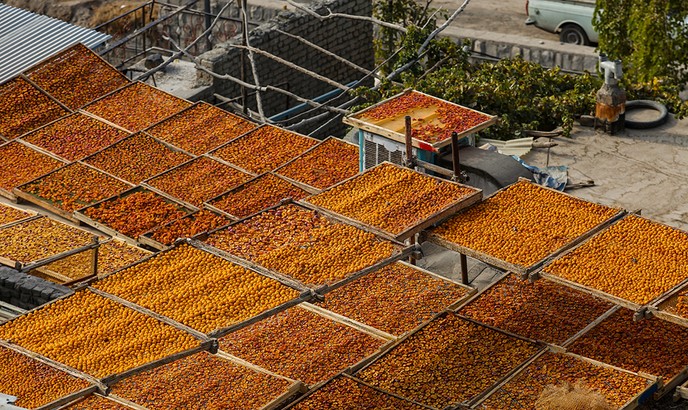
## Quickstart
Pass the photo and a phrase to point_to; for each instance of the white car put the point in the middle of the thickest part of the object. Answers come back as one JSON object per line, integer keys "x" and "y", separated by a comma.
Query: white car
{"x": 571, "y": 19}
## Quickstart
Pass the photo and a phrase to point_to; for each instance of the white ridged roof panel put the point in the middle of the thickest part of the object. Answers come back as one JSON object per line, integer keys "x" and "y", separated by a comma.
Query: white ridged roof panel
{"x": 26, "y": 38}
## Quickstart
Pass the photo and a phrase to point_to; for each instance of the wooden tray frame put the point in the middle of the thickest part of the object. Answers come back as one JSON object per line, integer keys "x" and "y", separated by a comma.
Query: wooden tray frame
{"x": 208, "y": 204}
{"x": 313, "y": 190}
{"x": 320, "y": 385}
{"x": 633, "y": 403}
{"x": 367, "y": 330}
{"x": 245, "y": 135}
{"x": 147, "y": 238}
{"x": 95, "y": 384}
{"x": 66, "y": 280}
{"x": 401, "y": 251}
{"x": 355, "y": 121}
{"x": 32, "y": 215}
{"x": 147, "y": 182}
{"x": 642, "y": 311}
{"x": 76, "y": 112}
{"x": 518, "y": 269}
{"x": 466, "y": 403}
{"x": 412, "y": 229}
{"x": 52, "y": 206}
{"x": 183, "y": 113}
{"x": 132, "y": 83}
{"x": 112, "y": 397}
{"x": 81, "y": 216}
{"x": 27, "y": 266}
{"x": 305, "y": 295}
{"x": 50, "y": 59}
{"x": 41, "y": 91}
{"x": 9, "y": 194}
{"x": 471, "y": 292}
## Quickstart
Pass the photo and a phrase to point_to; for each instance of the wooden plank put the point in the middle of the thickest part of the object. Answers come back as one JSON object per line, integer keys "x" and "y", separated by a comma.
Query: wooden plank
{"x": 54, "y": 364}
{"x": 147, "y": 238}
{"x": 590, "y": 326}
{"x": 101, "y": 119}
{"x": 454, "y": 306}
{"x": 68, "y": 398}
{"x": 45, "y": 93}
{"x": 124, "y": 402}
{"x": 592, "y": 291}
{"x": 20, "y": 221}
{"x": 110, "y": 380}
{"x": 362, "y": 327}
{"x": 164, "y": 319}
{"x": 681, "y": 392}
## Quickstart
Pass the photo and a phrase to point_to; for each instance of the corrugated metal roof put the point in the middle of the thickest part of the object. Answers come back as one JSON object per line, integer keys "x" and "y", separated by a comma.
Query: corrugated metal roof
{"x": 27, "y": 38}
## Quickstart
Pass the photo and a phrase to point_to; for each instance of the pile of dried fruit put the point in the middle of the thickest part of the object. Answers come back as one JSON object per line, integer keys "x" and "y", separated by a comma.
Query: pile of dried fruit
{"x": 343, "y": 393}
{"x": 9, "y": 214}
{"x": 136, "y": 158}
{"x": 201, "y": 381}
{"x": 553, "y": 369}
{"x": 75, "y": 136}
{"x": 95, "y": 335}
{"x": 301, "y": 345}
{"x": 542, "y": 310}
{"x": 264, "y": 149}
{"x": 651, "y": 346}
{"x": 24, "y": 107}
{"x": 21, "y": 164}
{"x": 135, "y": 213}
{"x": 32, "y": 382}
{"x": 635, "y": 259}
{"x": 40, "y": 238}
{"x": 523, "y": 224}
{"x": 96, "y": 402}
{"x": 201, "y": 128}
{"x": 198, "y": 289}
{"x": 112, "y": 255}
{"x": 391, "y": 197}
{"x": 681, "y": 307}
{"x": 189, "y": 226}
{"x": 394, "y": 299}
{"x": 450, "y": 117}
{"x": 77, "y": 76}
{"x": 137, "y": 106}
{"x": 261, "y": 193}
{"x": 302, "y": 244}
{"x": 75, "y": 186}
{"x": 199, "y": 180}
{"x": 449, "y": 361}
{"x": 330, "y": 162}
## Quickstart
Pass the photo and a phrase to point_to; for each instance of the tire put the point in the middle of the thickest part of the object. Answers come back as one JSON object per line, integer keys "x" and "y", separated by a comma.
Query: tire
{"x": 573, "y": 34}
{"x": 653, "y": 105}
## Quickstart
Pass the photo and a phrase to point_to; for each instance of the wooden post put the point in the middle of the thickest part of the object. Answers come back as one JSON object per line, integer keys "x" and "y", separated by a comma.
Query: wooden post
{"x": 464, "y": 270}
{"x": 455, "y": 156}
{"x": 412, "y": 242}
{"x": 409, "y": 142}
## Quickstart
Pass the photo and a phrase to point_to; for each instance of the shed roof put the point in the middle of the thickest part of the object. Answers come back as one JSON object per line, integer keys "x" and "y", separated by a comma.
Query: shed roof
{"x": 27, "y": 38}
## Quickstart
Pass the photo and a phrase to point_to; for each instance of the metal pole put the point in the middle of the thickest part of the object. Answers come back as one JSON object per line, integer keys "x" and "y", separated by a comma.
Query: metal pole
{"x": 464, "y": 269}
{"x": 208, "y": 21}
{"x": 409, "y": 142}
{"x": 412, "y": 242}
{"x": 244, "y": 42}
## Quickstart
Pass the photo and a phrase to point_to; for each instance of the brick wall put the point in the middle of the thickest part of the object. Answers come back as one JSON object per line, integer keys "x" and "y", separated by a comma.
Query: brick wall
{"x": 350, "y": 39}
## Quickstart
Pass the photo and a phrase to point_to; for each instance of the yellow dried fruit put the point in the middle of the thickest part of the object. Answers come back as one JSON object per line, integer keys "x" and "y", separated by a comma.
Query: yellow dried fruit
{"x": 10, "y": 214}
{"x": 201, "y": 381}
{"x": 391, "y": 198}
{"x": 394, "y": 299}
{"x": 331, "y": 162}
{"x": 301, "y": 345}
{"x": 523, "y": 391}
{"x": 449, "y": 361}
{"x": 198, "y": 289}
{"x": 509, "y": 225}
{"x": 34, "y": 383}
{"x": 302, "y": 244}
{"x": 201, "y": 128}
{"x": 21, "y": 164}
{"x": 635, "y": 259}
{"x": 542, "y": 310}
{"x": 137, "y": 106}
{"x": 95, "y": 335}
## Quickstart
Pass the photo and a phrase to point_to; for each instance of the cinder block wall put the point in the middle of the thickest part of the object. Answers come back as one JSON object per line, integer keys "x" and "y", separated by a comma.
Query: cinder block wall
{"x": 26, "y": 291}
{"x": 350, "y": 39}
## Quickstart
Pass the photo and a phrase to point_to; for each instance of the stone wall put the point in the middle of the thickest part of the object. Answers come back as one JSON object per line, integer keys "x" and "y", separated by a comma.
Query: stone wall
{"x": 26, "y": 291}
{"x": 350, "y": 39}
